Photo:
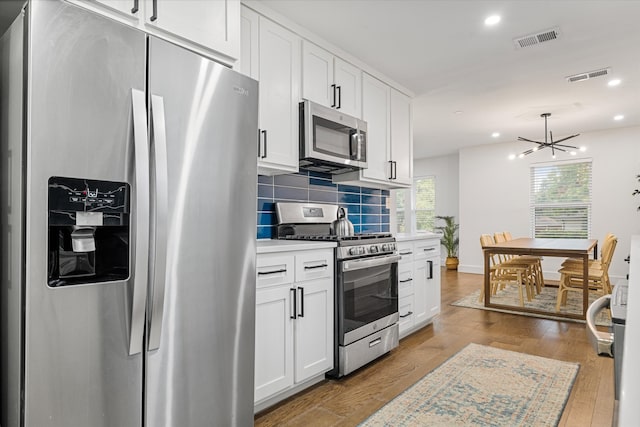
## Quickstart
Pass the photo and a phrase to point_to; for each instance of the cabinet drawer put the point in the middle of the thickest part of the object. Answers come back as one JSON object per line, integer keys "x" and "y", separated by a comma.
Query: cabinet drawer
{"x": 405, "y": 283}
{"x": 314, "y": 265}
{"x": 426, "y": 248}
{"x": 405, "y": 309}
{"x": 405, "y": 250}
{"x": 274, "y": 269}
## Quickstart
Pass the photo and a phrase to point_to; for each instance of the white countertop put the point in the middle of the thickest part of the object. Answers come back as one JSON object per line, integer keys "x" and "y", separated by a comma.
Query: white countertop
{"x": 267, "y": 246}
{"x": 406, "y": 237}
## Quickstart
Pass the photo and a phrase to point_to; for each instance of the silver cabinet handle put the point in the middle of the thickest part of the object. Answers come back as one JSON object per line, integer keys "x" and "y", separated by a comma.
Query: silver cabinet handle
{"x": 375, "y": 342}
{"x": 141, "y": 259}
{"x": 602, "y": 342}
{"x": 160, "y": 226}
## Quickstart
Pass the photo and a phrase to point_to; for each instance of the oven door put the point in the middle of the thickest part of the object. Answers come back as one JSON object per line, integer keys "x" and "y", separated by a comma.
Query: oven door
{"x": 367, "y": 296}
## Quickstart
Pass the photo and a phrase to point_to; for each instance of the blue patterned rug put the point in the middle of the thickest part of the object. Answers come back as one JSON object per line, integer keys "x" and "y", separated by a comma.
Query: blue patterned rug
{"x": 484, "y": 386}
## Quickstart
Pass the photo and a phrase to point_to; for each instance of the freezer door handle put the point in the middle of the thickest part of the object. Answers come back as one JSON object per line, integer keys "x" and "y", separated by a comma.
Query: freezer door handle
{"x": 141, "y": 260}
{"x": 159, "y": 229}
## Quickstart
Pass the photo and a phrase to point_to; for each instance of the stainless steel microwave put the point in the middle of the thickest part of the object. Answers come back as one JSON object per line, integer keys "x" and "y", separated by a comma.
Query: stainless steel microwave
{"x": 331, "y": 141}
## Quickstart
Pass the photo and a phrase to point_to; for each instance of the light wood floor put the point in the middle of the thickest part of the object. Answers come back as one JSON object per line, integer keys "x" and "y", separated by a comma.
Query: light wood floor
{"x": 348, "y": 401}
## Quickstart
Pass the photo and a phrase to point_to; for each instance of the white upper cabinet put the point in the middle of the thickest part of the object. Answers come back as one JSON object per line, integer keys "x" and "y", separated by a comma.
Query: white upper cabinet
{"x": 401, "y": 138}
{"x": 214, "y": 25}
{"x": 375, "y": 111}
{"x": 330, "y": 81}
{"x": 210, "y": 28}
{"x": 389, "y": 138}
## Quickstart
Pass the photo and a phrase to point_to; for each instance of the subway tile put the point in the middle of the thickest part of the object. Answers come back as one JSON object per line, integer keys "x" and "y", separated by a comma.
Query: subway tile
{"x": 302, "y": 172}
{"x": 265, "y": 232}
{"x": 266, "y": 218}
{"x": 265, "y": 205}
{"x": 323, "y": 196}
{"x": 370, "y": 219}
{"x": 265, "y": 191}
{"x": 385, "y": 192}
{"x": 371, "y": 191}
{"x": 370, "y": 200}
{"x": 371, "y": 209}
{"x": 265, "y": 179}
{"x": 348, "y": 198}
{"x": 298, "y": 181}
{"x": 348, "y": 189}
{"x": 384, "y": 228}
{"x": 371, "y": 228}
{"x": 354, "y": 218}
{"x": 352, "y": 209}
{"x": 322, "y": 183}
{"x": 290, "y": 193}
{"x": 322, "y": 175}
{"x": 384, "y": 210}
{"x": 357, "y": 228}
{"x": 385, "y": 219}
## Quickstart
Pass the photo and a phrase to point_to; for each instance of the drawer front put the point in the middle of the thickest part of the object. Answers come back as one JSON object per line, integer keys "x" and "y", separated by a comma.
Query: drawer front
{"x": 405, "y": 283}
{"x": 405, "y": 309}
{"x": 314, "y": 265}
{"x": 426, "y": 248}
{"x": 405, "y": 250}
{"x": 274, "y": 269}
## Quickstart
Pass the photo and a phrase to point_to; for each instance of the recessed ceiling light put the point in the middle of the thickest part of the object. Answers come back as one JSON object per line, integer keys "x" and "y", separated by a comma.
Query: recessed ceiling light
{"x": 495, "y": 134}
{"x": 614, "y": 82}
{"x": 618, "y": 117}
{"x": 573, "y": 153}
{"x": 512, "y": 156}
{"x": 583, "y": 149}
{"x": 492, "y": 20}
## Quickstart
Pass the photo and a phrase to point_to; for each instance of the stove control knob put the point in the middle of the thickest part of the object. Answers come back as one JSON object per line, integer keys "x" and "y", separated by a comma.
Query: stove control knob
{"x": 386, "y": 247}
{"x": 361, "y": 250}
{"x": 353, "y": 251}
{"x": 373, "y": 249}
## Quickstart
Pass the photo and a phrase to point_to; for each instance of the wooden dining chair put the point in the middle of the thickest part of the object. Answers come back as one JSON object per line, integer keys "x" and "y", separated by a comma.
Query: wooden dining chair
{"x": 571, "y": 277}
{"x": 577, "y": 262}
{"x": 535, "y": 262}
{"x": 510, "y": 272}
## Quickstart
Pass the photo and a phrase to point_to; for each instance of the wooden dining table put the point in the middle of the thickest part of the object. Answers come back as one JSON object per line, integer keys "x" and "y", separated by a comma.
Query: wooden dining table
{"x": 571, "y": 248}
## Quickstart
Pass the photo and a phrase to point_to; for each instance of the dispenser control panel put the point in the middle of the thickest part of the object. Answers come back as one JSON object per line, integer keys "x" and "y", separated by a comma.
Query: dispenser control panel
{"x": 87, "y": 195}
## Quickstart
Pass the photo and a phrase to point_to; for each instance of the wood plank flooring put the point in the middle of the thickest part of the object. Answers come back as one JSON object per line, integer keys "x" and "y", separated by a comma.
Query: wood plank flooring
{"x": 350, "y": 400}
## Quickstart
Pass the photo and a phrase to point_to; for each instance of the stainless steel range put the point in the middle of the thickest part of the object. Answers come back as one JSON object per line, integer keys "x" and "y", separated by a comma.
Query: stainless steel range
{"x": 366, "y": 306}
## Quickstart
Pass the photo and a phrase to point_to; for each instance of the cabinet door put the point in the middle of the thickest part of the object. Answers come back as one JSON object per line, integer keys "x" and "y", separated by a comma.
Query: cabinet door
{"x": 274, "y": 341}
{"x": 317, "y": 75}
{"x": 279, "y": 76}
{"x": 375, "y": 111}
{"x": 314, "y": 329}
{"x": 405, "y": 310}
{"x": 401, "y": 141}
{"x": 214, "y": 25}
{"x": 348, "y": 80}
{"x": 121, "y": 10}
{"x": 421, "y": 311}
{"x": 433, "y": 286}
{"x": 249, "y": 24}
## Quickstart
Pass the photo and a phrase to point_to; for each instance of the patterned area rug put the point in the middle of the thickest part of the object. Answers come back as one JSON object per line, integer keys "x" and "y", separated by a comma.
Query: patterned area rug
{"x": 484, "y": 386}
{"x": 545, "y": 301}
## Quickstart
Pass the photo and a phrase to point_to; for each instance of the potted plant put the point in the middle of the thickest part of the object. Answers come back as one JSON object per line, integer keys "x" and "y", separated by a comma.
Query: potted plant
{"x": 450, "y": 240}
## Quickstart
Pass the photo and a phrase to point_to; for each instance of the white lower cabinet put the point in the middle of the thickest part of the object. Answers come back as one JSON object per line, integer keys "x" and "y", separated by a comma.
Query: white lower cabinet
{"x": 294, "y": 320}
{"x": 418, "y": 283}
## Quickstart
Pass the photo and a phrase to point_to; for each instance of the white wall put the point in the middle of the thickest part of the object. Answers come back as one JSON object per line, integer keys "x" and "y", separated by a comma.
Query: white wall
{"x": 494, "y": 194}
{"x": 445, "y": 169}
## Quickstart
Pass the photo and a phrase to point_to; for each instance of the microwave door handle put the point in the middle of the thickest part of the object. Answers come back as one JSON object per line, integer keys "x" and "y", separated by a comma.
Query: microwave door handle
{"x": 141, "y": 260}
{"x": 353, "y": 145}
{"x": 160, "y": 228}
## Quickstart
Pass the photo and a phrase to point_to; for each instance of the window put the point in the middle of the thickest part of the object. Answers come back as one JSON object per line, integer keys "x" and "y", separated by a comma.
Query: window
{"x": 415, "y": 208}
{"x": 561, "y": 199}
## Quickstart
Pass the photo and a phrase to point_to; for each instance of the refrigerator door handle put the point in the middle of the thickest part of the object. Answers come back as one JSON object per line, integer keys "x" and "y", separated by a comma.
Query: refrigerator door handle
{"x": 141, "y": 259}
{"x": 159, "y": 138}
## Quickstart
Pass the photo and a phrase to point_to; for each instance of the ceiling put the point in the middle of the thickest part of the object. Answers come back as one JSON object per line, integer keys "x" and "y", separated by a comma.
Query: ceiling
{"x": 470, "y": 80}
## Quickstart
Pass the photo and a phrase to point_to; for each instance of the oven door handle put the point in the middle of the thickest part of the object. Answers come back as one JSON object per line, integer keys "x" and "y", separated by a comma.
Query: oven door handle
{"x": 602, "y": 342}
{"x": 359, "y": 264}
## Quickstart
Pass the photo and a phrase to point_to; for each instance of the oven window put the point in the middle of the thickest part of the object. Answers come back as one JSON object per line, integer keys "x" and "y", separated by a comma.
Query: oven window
{"x": 369, "y": 294}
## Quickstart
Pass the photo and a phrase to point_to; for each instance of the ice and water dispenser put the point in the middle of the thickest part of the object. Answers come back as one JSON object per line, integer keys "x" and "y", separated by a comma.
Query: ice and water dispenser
{"x": 89, "y": 231}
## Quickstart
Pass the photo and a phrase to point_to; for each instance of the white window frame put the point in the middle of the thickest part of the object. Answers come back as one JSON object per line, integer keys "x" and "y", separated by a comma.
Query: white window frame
{"x": 559, "y": 204}
{"x": 410, "y": 201}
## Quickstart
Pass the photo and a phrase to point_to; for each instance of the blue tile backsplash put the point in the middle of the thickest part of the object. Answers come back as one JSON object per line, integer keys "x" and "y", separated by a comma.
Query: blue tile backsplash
{"x": 366, "y": 207}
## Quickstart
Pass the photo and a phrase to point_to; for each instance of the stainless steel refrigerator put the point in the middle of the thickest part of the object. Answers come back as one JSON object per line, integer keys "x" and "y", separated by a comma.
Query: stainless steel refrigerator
{"x": 128, "y": 228}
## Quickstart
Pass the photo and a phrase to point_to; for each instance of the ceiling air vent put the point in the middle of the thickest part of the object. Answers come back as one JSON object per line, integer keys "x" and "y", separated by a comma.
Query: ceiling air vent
{"x": 537, "y": 38}
{"x": 589, "y": 75}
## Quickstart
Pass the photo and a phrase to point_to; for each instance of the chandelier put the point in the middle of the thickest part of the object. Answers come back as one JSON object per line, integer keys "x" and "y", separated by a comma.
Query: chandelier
{"x": 550, "y": 143}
